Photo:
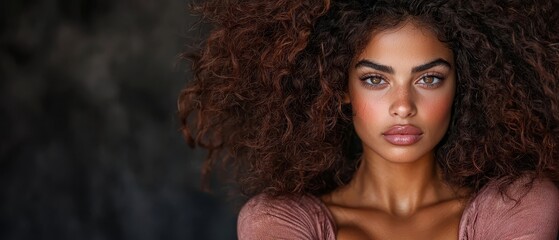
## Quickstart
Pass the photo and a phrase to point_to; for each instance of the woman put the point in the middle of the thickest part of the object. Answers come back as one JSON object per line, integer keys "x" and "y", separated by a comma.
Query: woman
{"x": 382, "y": 119}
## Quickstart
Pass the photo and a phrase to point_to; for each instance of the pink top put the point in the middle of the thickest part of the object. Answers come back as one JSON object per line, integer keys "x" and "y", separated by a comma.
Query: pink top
{"x": 487, "y": 216}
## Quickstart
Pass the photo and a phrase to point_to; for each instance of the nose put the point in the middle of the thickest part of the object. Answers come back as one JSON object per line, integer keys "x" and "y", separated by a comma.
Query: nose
{"x": 403, "y": 104}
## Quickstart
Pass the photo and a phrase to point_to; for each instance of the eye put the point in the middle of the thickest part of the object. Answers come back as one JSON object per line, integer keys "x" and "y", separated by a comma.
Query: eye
{"x": 430, "y": 81}
{"x": 373, "y": 81}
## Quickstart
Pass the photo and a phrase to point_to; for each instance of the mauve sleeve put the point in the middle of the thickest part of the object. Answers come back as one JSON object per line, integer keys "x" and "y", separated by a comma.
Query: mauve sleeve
{"x": 534, "y": 216}
{"x": 263, "y": 217}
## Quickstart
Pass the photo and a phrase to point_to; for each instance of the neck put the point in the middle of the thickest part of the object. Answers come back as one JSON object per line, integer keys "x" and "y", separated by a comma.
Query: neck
{"x": 398, "y": 188}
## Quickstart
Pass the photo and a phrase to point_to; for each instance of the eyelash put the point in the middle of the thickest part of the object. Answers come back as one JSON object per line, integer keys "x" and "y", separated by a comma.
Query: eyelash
{"x": 380, "y": 85}
{"x": 365, "y": 78}
{"x": 433, "y": 75}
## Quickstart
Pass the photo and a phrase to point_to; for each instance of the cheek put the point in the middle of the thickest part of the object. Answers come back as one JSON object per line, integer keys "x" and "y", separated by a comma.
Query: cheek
{"x": 438, "y": 110}
{"x": 363, "y": 108}
{"x": 359, "y": 108}
{"x": 365, "y": 104}
{"x": 368, "y": 113}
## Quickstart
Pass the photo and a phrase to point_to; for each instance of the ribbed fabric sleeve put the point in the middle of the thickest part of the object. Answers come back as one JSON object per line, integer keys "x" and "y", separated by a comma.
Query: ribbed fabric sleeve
{"x": 293, "y": 217}
{"x": 529, "y": 213}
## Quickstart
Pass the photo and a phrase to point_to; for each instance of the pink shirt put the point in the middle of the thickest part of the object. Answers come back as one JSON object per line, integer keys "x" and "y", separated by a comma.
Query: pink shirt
{"x": 487, "y": 216}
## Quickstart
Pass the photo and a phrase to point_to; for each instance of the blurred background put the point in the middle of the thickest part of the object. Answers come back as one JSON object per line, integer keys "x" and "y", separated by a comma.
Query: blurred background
{"x": 89, "y": 140}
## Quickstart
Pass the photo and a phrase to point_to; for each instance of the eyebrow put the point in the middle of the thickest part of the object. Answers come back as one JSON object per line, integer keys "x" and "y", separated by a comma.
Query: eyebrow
{"x": 389, "y": 69}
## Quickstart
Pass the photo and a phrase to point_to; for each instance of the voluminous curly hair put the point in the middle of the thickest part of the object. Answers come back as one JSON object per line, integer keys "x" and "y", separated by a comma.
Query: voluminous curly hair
{"x": 268, "y": 84}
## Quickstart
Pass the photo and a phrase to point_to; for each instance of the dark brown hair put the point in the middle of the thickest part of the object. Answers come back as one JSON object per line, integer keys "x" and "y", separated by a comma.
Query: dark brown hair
{"x": 266, "y": 99}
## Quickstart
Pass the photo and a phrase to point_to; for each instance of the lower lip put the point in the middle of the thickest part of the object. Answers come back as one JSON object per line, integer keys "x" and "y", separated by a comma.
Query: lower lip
{"x": 402, "y": 140}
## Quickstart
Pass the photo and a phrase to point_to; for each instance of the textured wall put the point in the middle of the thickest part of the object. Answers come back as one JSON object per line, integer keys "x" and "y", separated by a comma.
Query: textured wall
{"x": 89, "y": 147}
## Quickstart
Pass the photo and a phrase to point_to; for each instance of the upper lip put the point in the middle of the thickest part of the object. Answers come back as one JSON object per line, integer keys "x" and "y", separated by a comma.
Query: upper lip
{"x": 403, "y": 130}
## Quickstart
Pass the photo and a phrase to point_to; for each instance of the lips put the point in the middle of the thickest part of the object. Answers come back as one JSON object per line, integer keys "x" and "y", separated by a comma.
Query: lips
{"x": 403, "y": 135}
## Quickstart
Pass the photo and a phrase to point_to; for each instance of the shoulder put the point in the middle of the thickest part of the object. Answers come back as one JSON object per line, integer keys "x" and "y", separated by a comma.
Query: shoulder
{"x": 529, "y": 209}
{"x": 524, "y": 193}
{"x": 285, "y": 217}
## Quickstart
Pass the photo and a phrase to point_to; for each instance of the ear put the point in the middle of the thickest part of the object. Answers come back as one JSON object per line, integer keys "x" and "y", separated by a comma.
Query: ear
{"x": 346, "y": 99}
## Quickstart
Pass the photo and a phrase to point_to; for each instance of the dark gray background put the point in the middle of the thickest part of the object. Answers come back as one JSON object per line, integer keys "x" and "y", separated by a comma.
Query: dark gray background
{"x": 89, "y": 140}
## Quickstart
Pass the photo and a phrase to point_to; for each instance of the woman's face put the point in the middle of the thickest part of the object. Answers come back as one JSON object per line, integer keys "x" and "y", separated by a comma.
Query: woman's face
{"x": 401, "y": 88}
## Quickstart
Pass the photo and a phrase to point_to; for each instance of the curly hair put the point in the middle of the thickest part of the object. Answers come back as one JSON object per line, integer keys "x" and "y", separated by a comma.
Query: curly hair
{"x": 268, "y": 84}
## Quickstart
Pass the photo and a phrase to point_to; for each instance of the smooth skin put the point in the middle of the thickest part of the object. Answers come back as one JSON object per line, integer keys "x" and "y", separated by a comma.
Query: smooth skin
{"x": 404, "y": 77}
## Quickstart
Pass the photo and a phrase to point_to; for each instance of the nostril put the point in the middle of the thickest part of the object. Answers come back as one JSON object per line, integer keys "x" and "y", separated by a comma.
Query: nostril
{"x": 403, "y": 110}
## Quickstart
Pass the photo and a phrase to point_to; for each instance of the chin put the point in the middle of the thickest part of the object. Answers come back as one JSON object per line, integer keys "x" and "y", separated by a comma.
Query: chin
{"x": 402, "y": 155}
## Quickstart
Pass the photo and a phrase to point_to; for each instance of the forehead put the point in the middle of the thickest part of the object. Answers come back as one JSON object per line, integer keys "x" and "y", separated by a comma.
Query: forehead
{"x": 408, "y": 42}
